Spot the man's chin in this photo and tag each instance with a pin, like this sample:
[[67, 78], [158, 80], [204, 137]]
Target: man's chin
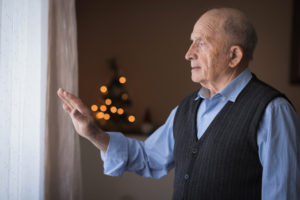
[[196, 79]]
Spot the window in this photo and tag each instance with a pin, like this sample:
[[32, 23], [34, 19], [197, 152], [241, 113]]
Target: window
[[23, 66]]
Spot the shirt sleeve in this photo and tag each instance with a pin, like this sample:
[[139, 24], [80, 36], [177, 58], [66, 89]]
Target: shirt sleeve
[[152, 158], [279, 151]]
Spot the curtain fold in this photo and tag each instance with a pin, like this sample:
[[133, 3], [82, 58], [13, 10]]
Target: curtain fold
[[62, 162]]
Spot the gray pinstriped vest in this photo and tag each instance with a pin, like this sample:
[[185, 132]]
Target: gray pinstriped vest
[[224, 163]]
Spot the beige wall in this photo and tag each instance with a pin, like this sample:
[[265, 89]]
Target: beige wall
[[149, 40]]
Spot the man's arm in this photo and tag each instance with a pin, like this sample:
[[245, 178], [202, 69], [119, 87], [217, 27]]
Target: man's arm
[[279, 151], [83, 120], [152, 158]]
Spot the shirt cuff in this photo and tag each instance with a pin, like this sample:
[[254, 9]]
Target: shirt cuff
[[116, 156]]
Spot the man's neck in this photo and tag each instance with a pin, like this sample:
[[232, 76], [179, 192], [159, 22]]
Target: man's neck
[[216, 86]]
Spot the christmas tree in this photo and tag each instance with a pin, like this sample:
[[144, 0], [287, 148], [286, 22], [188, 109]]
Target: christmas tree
[[112, 109]]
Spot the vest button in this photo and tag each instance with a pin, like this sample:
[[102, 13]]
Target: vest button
[[194, 151], [186, 176]]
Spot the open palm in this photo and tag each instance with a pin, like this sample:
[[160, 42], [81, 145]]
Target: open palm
[[81, 116]]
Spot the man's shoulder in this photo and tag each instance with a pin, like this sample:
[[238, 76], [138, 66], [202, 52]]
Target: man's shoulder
[[258, 91], [279, 98], [280, 102], [263, 85]]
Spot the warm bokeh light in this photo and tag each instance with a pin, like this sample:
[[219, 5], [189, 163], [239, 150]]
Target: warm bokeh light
[[131, 118], [94, 108], [103, 89], [108, 101], [103, 108], [99, 115], [113, 109], [106, 116], [124, 96], [122, 79], [120, 111]]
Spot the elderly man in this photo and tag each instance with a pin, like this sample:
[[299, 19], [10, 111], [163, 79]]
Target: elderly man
[[235, 138]]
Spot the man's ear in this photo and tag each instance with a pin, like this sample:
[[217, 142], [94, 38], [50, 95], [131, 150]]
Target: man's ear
[[236, 55]]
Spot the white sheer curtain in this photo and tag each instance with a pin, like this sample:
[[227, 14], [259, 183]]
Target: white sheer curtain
[[39, 152], [63, 167], [23, 64]]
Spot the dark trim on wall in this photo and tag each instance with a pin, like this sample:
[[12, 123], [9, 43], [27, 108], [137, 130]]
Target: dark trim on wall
[[295, 55]]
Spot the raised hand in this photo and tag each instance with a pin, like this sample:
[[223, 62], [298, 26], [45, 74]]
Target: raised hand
[[83, 120]]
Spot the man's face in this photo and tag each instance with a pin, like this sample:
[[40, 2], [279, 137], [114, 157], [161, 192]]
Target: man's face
[[207, 53]]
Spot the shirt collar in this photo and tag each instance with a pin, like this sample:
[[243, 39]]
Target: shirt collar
[[231, 90]]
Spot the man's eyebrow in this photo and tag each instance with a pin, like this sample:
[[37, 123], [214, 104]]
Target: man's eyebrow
[[196, 38]]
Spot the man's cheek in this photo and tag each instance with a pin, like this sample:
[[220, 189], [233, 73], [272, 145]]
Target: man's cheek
[[209, 63]]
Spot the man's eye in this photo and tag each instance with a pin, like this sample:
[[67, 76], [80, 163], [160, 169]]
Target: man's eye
[[201, 43]]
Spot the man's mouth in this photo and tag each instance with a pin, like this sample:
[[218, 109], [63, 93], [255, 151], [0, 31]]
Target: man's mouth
[[196, 67]]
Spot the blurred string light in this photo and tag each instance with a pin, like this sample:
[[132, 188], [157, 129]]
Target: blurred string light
[[106, 116], [120, 111], [94, 108], [108, 101], [124, 96], [131, 118], [113, 109], [103, 89], [103, 108], [99, 115], [122, 80]]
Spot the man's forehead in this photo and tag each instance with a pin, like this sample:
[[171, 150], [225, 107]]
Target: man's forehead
[[205, 28]]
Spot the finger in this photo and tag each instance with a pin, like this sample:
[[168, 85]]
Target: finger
[[76, 103], [65, 96], [67, 108], [61, 94], [73, 102]]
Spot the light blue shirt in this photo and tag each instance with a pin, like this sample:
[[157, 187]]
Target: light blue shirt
[[278, 140]]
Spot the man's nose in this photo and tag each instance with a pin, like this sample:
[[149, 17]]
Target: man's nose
[[191, 54]]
